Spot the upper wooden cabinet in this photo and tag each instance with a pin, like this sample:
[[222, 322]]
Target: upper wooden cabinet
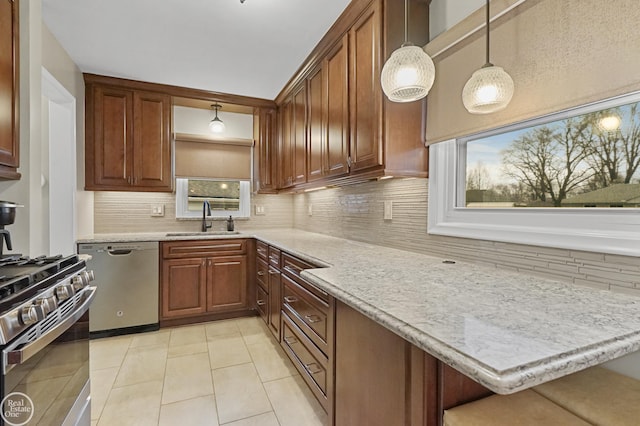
[[353, 132], [265, 150], [128, 145], [9, 90]]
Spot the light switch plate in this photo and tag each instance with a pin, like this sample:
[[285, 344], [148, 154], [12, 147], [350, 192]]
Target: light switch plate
[[157, 210], [259, 210], [388, 210], [310, 210]]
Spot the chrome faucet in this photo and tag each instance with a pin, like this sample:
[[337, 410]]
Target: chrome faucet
[[206, 208]]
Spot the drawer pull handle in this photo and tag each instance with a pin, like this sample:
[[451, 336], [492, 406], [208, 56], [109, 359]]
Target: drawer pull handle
[[261, 302], [313, 368], [290, 340], [260, 273], [274, 272], [313, 318], [290, 299], [291, 270]]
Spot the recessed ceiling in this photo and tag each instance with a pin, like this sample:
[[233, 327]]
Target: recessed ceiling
[[250, 49]]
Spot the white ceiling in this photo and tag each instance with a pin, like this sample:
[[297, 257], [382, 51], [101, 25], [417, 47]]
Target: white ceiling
[[249, 49]]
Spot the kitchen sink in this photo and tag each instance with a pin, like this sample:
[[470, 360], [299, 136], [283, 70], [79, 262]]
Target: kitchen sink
[[204, 234]]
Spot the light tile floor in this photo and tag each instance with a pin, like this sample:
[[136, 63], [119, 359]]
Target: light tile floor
[[228, 372]]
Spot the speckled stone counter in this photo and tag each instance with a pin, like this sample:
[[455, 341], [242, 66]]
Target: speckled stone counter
[[508, 331]]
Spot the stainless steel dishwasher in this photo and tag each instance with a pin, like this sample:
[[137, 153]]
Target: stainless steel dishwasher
[[127, 279]]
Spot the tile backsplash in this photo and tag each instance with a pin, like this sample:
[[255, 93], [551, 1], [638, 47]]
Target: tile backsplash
[[356, 212], [126, 212]]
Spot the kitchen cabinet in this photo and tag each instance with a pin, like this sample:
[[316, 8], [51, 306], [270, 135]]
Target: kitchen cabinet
[[316, 115], [380, 378], [265, 136], [128, 144], [307, 329], [336, 108], [293, 139], [353, 132], [9, 90], [203, 280], [275, 291]]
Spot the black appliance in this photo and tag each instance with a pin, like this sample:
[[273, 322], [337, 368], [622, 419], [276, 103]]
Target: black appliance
[[44, 340], [7, 217]]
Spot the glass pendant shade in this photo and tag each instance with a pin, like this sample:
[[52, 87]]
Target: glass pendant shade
[[489, 89], [216, 125], [408, 74]]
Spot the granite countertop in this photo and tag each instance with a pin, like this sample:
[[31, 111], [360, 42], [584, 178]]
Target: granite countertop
[[509, 331]]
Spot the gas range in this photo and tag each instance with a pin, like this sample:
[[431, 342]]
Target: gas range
[[44, 340], [31, 288]]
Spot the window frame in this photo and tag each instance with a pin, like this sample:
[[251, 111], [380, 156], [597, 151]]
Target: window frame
[[601, 230], [183, 212]]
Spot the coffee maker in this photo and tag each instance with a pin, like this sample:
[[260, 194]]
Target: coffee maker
[[7, 217]]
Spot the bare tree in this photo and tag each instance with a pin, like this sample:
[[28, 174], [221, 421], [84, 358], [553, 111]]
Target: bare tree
[[549, 162], [478, 177], [614, 154]]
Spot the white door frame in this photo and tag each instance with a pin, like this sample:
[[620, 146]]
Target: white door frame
[[62, 165]]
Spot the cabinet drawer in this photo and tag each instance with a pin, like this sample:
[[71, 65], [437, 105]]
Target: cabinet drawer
[[274, 257], [261, 250], [307, 311], [311, 363], [262, 302], [202, 248], [292, 267], [262, 270]]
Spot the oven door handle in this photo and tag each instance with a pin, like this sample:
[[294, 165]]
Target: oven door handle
[[22, 355]]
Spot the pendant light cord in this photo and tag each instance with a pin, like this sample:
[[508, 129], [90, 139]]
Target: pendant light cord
[[406, 22], [487, 50]]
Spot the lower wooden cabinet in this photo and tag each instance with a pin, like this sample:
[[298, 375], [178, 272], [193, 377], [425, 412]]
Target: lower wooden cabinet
[[201, 281]]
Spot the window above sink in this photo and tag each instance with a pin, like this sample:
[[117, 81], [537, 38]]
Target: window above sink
[[227, 197]]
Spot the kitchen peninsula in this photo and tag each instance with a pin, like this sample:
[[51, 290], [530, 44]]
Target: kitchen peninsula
[[507, 331]]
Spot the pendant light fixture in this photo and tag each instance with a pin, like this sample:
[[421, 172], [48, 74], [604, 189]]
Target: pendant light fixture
[[409, 72], [216, 125], [490, 88]]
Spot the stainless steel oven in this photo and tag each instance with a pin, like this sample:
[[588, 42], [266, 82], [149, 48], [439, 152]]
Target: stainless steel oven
[[45, 346]]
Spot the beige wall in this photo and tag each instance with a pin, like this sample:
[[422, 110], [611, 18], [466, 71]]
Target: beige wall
[[38, 49]]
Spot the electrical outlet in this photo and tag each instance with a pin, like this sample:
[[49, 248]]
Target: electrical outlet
[[388, 210], [157, 210], [259, 210], [310, 210]]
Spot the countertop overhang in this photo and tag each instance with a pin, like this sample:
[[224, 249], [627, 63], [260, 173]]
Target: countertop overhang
[[507, 330]]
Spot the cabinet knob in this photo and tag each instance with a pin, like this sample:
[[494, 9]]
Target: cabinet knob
[[313, 368], [313, 318]]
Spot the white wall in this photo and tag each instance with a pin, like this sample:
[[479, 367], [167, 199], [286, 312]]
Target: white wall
[[444, 14], [196, 121]]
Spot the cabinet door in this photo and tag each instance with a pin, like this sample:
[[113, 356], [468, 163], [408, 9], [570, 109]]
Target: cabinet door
[[300, 135], [226, 283], [275, 302], [183, 287], [285, 177], [365, 95], [336, 70], [266, 150], [315, 136], [9, 89], [112, 147], [152, 141]]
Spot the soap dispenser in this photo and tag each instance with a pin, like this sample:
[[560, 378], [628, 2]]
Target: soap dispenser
[[230, 224]]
